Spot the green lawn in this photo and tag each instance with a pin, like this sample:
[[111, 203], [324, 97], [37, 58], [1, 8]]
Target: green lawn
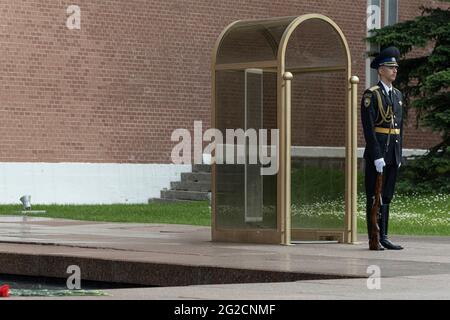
[[413, 215], [409, 215], [317, 202], [194, 213], [417, 214]]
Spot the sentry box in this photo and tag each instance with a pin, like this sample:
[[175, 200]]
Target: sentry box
[[284, 101]]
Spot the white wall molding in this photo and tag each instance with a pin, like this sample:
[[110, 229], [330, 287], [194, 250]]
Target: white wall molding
[[339, 152]]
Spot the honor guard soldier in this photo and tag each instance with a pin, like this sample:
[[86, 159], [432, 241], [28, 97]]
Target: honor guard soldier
[[381, 116]]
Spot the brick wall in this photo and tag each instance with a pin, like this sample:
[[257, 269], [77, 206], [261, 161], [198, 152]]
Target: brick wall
[[115, 90]]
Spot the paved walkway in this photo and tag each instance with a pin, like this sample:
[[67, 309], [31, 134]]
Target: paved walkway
[[179, 255]]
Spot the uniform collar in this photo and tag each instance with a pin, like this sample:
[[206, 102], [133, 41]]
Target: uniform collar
[[386, 88]]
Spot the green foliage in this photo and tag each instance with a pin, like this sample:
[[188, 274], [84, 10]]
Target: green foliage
[[427, 174], [424, 81]]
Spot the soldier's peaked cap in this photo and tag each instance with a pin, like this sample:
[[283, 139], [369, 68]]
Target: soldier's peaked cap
[[387, 57]]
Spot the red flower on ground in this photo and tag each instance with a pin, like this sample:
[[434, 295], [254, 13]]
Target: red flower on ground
[[4, 290]]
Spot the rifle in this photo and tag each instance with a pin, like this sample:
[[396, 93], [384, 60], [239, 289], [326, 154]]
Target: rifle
[[374, 242]]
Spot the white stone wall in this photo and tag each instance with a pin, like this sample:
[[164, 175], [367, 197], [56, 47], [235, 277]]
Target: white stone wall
[[85, 183]]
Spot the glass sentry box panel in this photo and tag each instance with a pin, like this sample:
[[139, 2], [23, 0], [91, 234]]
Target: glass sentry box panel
[[317, 58], [245, 103]]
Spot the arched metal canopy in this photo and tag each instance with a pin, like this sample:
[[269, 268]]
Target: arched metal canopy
[[306, 44]]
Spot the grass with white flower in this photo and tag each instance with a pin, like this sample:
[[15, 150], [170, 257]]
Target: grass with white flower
[[409, 214], [317, 202]]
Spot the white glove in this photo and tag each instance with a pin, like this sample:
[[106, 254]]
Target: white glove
[[399, 164], [379, 164]]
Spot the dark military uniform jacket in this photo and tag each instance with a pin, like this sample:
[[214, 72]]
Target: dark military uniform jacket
[[381, 114]]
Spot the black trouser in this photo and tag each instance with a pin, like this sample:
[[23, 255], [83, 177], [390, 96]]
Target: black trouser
[[389, 178]]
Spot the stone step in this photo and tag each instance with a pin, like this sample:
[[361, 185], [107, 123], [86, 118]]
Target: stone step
[[184, 195], [159, 200], [190, 186], [204, 187], [196, 177], [234, 169], [201, 168], [226, 169], [196, 185], [206, 178]]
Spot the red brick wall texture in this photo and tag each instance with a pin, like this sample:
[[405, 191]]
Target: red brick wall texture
[[114, 90]]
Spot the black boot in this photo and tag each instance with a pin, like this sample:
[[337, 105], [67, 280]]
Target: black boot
[[369, 225], [384, 221]]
